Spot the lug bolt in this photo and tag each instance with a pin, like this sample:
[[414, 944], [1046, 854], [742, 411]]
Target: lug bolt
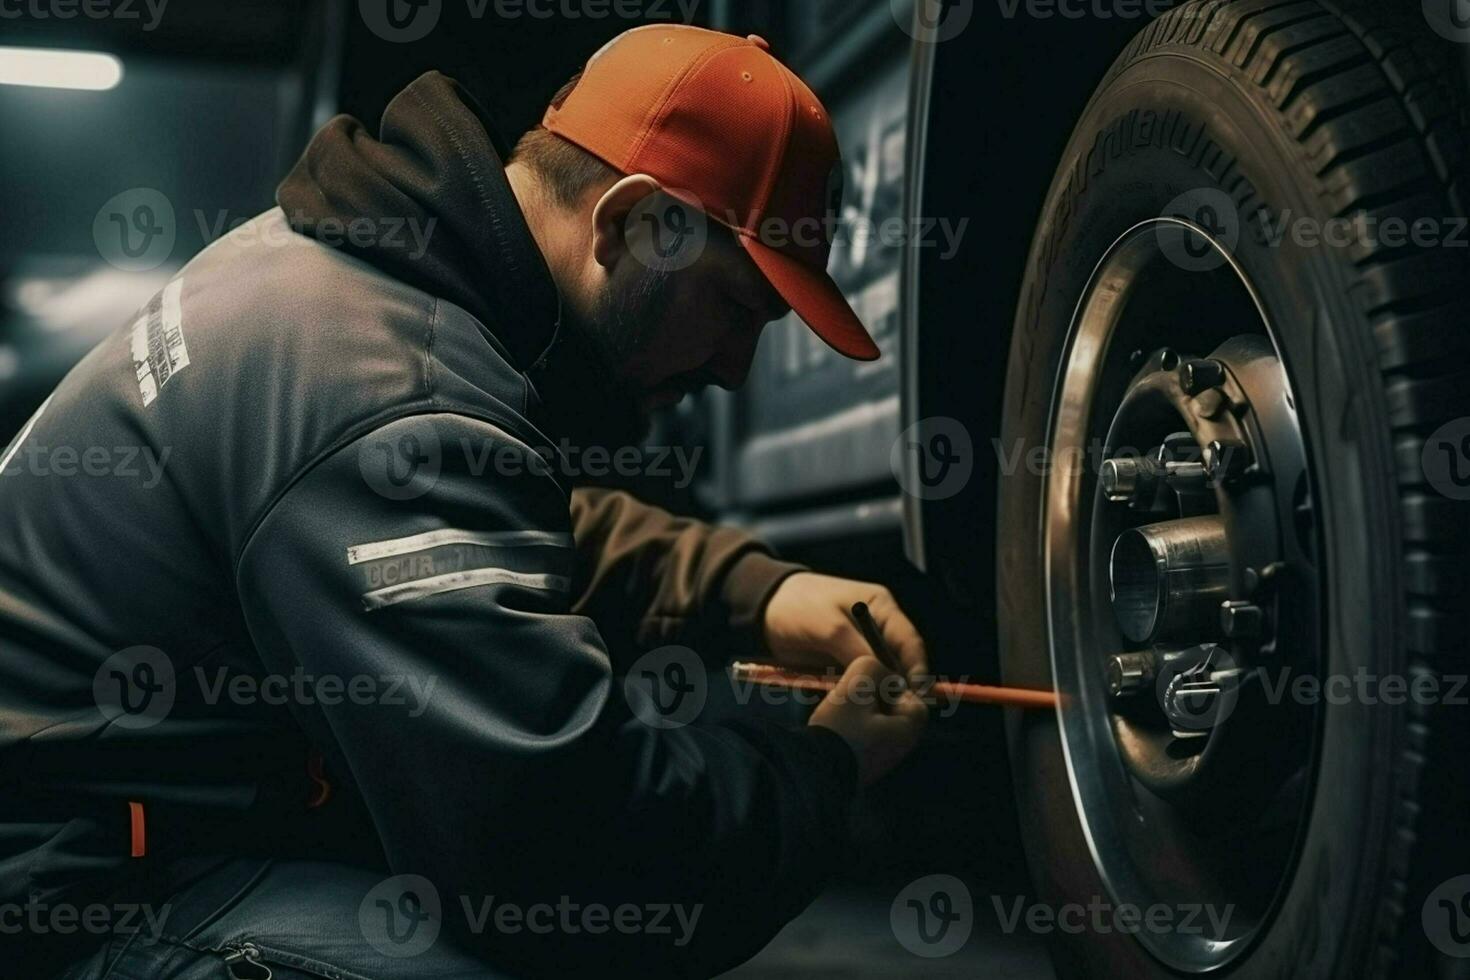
[[1241, 619], [1226, 460], [1201, 375], [1129, 673], [1130, 479], [1187, 477], [1120, 478]]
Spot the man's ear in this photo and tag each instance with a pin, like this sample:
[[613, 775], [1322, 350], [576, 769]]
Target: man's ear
[[610, 217]]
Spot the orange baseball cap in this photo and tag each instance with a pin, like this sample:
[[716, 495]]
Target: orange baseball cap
[[721, 123]]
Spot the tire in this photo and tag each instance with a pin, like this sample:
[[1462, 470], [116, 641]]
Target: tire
[[1318, 110]]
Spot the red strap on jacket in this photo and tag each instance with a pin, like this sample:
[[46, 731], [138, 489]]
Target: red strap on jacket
[[139, 830]]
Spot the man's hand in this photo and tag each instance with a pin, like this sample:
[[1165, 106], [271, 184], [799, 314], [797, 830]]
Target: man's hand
[[876, 714], [809, 624]]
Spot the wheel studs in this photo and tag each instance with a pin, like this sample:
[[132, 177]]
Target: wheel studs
[[1122, 478], [1240, 619], [1129, 673], [1226, 460], [1197, 376]]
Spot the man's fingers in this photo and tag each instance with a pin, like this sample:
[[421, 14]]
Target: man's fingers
[[902, 637]]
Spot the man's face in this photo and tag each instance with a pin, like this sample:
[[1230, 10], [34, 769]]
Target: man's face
[[673, 332]]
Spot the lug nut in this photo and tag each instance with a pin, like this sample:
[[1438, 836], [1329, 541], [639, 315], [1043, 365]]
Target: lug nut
[[1129, 673], [1201, 375], [1240, 619], [1120, 478], [1226, 460]]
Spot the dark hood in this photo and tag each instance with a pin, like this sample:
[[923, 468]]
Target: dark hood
[[435, 159]]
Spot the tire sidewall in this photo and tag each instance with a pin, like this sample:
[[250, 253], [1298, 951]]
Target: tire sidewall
[[1105, 186]]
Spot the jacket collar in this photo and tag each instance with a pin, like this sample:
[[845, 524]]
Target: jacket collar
[[435, 169]]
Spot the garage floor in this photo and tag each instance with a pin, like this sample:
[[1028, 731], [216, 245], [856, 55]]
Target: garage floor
[[846, 933]]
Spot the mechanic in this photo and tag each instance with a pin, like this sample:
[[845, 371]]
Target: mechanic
[[326, 511]]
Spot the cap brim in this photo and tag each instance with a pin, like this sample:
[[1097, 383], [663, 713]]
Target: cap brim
[[816, 299]]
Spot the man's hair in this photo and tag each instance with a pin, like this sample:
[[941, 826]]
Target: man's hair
[[567, 170]]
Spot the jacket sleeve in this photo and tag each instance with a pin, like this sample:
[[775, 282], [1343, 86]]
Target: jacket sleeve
[[649, 578], [523, 772]]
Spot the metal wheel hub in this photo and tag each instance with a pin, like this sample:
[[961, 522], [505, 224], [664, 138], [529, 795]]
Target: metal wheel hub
[[1180, 565]]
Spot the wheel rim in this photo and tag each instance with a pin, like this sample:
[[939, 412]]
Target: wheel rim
[[1181, 567]]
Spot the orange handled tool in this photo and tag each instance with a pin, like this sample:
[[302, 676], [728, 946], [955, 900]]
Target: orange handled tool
[[767, 675]]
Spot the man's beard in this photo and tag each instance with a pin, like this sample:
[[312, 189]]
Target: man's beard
[[584, 397]]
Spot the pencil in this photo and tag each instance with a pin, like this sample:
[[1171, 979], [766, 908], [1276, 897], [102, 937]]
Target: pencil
[[768, 675]]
